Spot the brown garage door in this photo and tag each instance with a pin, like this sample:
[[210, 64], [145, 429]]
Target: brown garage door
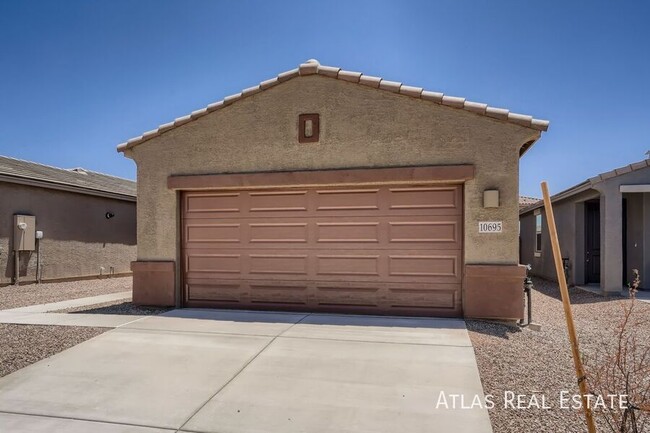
[[382, 250]]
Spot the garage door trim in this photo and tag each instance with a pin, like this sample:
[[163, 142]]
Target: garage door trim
[[448, 174]]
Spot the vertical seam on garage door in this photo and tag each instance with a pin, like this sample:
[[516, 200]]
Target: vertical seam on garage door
[[222, 387]]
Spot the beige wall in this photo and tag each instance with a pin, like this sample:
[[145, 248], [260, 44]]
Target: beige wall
[[78, 239], [360, 127]]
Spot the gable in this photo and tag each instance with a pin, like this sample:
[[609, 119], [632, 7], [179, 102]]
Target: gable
[[313, 68]]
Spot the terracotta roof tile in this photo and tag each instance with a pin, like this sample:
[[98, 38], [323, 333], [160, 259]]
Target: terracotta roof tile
[[416, 92], [497, 113], [368, 80], [269, 83], [251, 91], [350, 76], [329, 71], [453, 101], [432, 96], [288, 75], [475, 107], [312, 67]]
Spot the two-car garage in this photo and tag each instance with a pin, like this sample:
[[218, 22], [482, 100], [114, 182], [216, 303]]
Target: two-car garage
[[333, 191], [389, 249]]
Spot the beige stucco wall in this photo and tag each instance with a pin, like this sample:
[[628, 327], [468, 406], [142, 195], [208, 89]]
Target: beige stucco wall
[[78, 239], [360, 127]]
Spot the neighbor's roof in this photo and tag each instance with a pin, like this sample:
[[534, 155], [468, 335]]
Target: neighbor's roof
[[588, 184], [76, 180], [312, 67], [525, 201]]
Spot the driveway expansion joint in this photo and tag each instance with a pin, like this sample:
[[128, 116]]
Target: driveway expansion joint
[[71, 418]]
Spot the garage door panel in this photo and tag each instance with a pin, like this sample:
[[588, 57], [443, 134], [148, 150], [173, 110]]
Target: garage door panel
[[381, 232], [214, 203], [275, 263], [379, 250], [347, 200], [278, 293], [210, 263], [323, 202], [348, 296], [347, 232], [348, 265], [423, 265], [371, 298], [280, 232], [278, 201], [436, 266], [213, 232], [415, 298], [424, 198]]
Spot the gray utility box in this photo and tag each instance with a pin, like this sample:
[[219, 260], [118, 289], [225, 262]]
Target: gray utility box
[[24, 233]]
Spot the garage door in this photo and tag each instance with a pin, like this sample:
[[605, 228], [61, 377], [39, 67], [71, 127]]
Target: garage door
[[377, 250]]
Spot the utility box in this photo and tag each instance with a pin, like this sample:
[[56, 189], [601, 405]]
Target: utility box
[[24, 233]]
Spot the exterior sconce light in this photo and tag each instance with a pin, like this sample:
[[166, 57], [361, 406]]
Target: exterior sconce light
[[491, 198], [109, 215]]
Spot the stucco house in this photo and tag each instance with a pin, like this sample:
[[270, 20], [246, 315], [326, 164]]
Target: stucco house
[[64, 224], [329, 190], [603, 225]]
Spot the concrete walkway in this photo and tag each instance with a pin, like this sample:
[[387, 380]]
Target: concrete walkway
[[73, 303], [245, 372]]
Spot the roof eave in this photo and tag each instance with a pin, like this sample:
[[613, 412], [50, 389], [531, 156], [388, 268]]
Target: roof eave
[[65, 187]]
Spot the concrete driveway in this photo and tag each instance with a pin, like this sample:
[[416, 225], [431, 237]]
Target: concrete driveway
[[234, 372]]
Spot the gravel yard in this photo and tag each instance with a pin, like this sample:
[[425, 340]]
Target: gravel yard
[[23, 345], [527, 362], [118, 307], [33, 294]]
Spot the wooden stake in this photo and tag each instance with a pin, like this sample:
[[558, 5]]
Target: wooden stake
[[566, 302]]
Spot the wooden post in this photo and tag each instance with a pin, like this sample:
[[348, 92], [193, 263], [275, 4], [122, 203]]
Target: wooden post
[[566, 302]]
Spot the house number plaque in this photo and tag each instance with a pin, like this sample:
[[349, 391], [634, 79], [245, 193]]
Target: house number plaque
[[490, 226]]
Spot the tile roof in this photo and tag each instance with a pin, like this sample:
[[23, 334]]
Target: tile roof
[[79, 179], [587, 184], [527, 201], [311, 67]]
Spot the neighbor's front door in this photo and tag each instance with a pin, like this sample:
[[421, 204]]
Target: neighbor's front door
[[592, 242]]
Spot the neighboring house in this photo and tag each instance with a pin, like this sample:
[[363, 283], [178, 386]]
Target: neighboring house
[[329, 190], [87, 221], [525, 201], [604, 229]]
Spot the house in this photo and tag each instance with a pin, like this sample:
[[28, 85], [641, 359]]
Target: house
[[329, 190], [603, 225], [525, 201], [63, 224]]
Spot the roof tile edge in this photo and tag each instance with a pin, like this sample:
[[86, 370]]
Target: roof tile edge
[[313, 67]]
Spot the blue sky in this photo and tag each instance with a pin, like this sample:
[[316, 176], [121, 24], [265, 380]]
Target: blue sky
[[78, 77]]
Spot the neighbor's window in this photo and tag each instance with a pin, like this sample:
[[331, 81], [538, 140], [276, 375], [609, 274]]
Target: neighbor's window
[[538, 233]]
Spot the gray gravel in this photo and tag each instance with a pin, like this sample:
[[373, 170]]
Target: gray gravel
[[525, 361], [33, 294], [116, 307], [23, 345]]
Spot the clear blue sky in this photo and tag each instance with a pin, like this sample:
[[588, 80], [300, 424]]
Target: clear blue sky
[[78, 77]]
